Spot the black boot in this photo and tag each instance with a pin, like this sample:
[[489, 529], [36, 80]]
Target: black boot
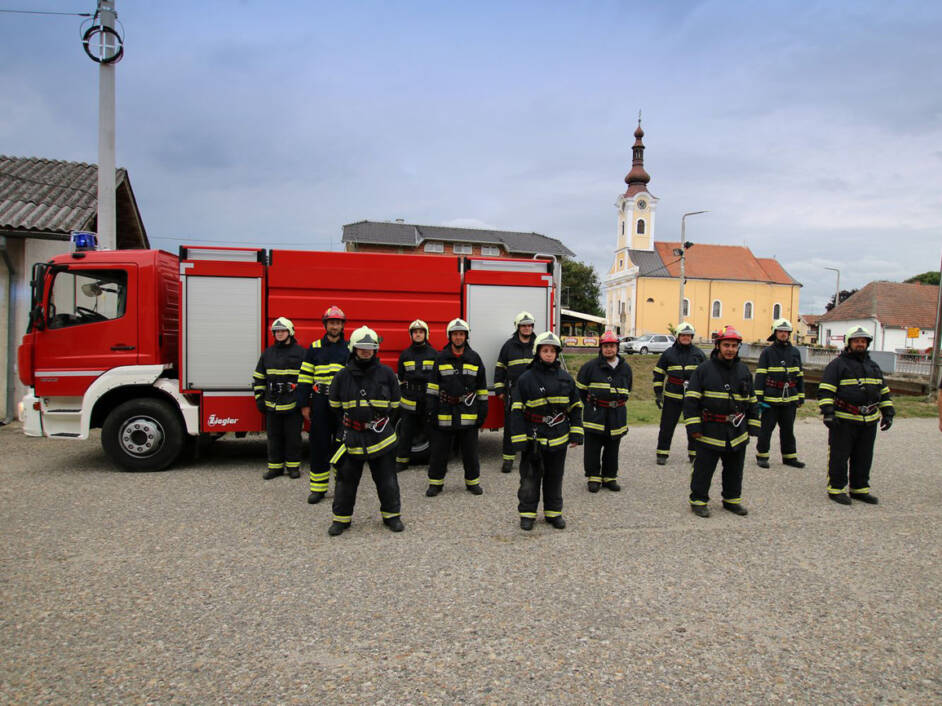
[[315, 497], [594, 486], [700, 510], [840, 498], [735, 508], [558, 522], [526, 523], [612, 485], [507, 466], [432, 491], [294, 473], [394, 524], [337, 528], [273, 473], [475, 489], [661, 460], [865, 498], [794, 463], [762, 462]]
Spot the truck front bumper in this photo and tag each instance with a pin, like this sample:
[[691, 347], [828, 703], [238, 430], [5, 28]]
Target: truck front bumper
[[30, 414]]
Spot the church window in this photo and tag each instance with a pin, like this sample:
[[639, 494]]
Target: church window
[[640, 226], [777, 311], [717, 309], [686, 307], [622, 227], [747, 310], [650, 300]]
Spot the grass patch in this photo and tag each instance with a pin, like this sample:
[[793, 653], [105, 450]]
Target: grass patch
[[642, 410]]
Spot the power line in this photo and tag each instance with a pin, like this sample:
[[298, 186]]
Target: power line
[[47, 12]]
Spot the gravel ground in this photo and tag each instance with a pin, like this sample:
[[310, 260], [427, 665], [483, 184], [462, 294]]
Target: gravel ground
[[205, 584]]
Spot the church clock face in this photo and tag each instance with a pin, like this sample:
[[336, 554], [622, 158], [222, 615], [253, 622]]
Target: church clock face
[[642, 204]]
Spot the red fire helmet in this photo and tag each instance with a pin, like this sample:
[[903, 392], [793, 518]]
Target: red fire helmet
[[728, 333], [608, 337], [333, 312]]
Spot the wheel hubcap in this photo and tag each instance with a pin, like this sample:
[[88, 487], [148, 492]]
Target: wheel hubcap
[[141, 436]]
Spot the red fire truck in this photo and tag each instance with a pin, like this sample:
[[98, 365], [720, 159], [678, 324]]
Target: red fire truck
[[158, 350]]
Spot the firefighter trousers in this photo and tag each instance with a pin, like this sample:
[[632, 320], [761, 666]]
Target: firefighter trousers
[[507, 447], [546, 472], [323, 436], [601, 457], [784, 416], [850, 447], [441, 448], [383, 470], [284, 441], [409, 426], [705, 465], [670, 414]]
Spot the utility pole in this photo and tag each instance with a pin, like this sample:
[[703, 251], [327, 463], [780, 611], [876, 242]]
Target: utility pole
[[837, 292], [105, 47], [682, 251], [936, 341]]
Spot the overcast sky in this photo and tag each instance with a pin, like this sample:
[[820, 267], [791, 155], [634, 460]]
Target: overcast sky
[[811, 131]]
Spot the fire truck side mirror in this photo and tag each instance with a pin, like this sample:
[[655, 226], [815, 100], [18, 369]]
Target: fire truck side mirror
[[36, 321]]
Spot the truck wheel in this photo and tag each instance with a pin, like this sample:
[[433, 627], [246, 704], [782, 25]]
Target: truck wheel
[[142, 435]]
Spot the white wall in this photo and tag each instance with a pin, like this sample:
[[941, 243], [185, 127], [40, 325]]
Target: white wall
[[885, 338]]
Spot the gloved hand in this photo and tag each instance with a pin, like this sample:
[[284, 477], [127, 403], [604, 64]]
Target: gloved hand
[[828, 420], [260, 404], [659, 401], [886, 422]]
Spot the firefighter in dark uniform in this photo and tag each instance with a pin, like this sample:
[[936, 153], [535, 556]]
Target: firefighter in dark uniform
[[853, 398], [780, 390], [457, 407], [514, 357], [365, 397], [415, 366], [720, 413], [324, 359], [275, 383], [673, 370], [604, 385], [546, 415]]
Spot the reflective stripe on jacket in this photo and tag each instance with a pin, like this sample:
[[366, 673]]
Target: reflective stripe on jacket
[[676, 362], [322, 361], [276, 376], [366, 395], [779, 377], [854, 379], [719, 388], [461, 378], [548, 392], [512, 361], [415, 367]]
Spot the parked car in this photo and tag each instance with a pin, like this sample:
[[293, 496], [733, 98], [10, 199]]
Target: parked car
[[623, 343], [649, 343]]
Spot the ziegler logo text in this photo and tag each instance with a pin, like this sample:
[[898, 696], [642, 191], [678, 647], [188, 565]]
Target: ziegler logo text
[[220, 421]]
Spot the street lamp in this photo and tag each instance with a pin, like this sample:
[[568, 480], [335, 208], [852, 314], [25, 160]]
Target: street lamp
[[837, 292], [682, 252]]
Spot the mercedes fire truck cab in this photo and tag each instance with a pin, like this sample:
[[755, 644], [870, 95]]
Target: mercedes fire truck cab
[[158, 350]]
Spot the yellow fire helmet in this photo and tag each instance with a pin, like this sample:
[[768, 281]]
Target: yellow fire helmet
[[458, 325], [282, 323], [685, 327], [547, 338], [524, 318], [418, 323], [366, 338]]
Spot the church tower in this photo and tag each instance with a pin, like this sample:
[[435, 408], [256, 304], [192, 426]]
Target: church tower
[[635, 231]]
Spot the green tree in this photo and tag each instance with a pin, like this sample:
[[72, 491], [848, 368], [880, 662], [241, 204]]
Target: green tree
[[581, 288], [845, 295], [930, 277]]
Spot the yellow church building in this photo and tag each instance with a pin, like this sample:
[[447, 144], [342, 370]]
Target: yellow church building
[[724, 284]]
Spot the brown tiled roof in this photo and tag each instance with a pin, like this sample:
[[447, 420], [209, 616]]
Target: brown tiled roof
[[895, 304], [735, 262], [810, 319]]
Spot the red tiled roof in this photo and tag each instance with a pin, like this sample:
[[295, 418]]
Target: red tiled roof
[[895, 304], [734, 262], [810, 319]]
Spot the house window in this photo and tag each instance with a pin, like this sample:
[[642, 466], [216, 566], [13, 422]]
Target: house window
[[717, 309], [747, 310], [622, 227], [640, 227], [777, 311], [686, 307], [432, 246], [462, 249], [490, 251]]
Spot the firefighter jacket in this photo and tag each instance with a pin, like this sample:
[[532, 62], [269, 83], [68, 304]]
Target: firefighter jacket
[[415, 367], [604, 391], [546, 407], [365, 395], [720, 402], [852, 389], [275, 379], [779, 377], [512, 361], [457, 390], [323, 360], [674, 368]]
